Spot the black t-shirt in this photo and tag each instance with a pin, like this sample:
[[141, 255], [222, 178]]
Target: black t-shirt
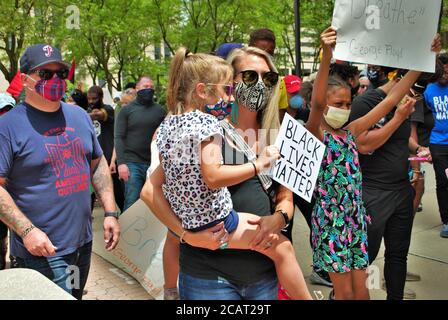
[[387, 167], [425, 122], [241, 267], [105, 132]]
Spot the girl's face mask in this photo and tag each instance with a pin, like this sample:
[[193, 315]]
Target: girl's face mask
[[336, 117], [220, 110]]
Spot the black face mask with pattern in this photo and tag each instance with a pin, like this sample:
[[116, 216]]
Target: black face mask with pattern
[[254, 97]]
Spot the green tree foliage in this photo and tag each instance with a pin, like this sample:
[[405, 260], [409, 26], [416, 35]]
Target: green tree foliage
[[115, 40]]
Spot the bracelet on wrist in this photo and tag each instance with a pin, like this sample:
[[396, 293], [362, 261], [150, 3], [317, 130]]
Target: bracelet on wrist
[[27, 231], [181, 238], [255, 168]]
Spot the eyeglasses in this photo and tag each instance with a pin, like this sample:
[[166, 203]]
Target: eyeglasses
[[250, 77], [228, 88], [46, 74]]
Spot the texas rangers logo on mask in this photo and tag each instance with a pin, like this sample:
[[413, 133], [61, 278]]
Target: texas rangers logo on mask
[[48, 50]]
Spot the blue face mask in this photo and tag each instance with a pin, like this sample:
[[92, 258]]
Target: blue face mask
[[296, 102], [220, 110]]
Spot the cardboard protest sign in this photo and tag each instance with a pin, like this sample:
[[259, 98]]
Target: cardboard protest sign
[[392, 33], [302, 155], [139, 252]]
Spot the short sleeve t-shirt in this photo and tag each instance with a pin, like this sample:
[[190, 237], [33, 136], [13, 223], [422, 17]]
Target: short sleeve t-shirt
[[387, 167], [104, 131], [45, 157], [178, 140], [436, 97], [239, 267], [425, 122]]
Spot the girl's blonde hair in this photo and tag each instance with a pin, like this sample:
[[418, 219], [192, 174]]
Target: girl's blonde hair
[[268, 118], [186, 71]]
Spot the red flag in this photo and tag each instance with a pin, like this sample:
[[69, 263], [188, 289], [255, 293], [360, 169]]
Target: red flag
[[71, 73], [16, 86]]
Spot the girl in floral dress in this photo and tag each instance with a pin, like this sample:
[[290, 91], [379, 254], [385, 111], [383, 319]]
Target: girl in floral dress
[[339, 220]]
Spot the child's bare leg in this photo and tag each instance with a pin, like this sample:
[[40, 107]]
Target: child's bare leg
[[359, 281], [281, 252], [170, 261], [342, 285]]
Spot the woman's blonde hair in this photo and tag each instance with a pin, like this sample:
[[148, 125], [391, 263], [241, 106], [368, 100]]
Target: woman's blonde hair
[[269, 117], [186, 71]]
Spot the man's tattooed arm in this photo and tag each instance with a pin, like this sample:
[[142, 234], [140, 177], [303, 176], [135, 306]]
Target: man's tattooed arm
[[102, 183], [10, 213]]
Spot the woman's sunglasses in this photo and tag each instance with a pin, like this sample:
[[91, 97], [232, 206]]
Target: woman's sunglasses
[[228, 88], [250, 77], [46, 74]]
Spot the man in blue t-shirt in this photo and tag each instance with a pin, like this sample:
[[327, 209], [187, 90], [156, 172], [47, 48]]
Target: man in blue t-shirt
[[436, 96], [49, 155]]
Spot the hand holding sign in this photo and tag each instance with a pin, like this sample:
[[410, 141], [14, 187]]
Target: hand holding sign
[[328, 39], [301, 156], [267, 158]]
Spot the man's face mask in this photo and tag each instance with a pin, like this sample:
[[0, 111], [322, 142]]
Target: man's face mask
[[220, 110], [52, 89], [373, 75], [336, 117], [145, 96]]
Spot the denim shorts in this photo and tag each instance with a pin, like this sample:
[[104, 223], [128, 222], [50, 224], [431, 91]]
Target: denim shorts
[[230, 223], [192, 288]]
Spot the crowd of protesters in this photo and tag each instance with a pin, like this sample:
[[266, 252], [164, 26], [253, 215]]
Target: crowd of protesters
[[229, 224]]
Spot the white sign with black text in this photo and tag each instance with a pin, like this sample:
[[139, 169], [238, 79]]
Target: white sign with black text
[[392, 33], [301, 157]]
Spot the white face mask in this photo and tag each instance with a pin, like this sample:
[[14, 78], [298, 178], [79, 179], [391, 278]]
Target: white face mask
[[336, 117]]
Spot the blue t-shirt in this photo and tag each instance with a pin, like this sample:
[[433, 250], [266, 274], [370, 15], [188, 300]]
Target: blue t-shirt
[[437, 99], [45, 158]]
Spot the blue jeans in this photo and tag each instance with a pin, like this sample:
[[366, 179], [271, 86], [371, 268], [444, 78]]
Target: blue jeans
[[69, 272], [191, 288], [134, 185]]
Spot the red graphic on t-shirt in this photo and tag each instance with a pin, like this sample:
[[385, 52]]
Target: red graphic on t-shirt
[[67, 160], [66, 156]]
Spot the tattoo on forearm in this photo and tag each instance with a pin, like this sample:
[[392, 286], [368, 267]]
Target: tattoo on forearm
[[13, 218], [101, 179]]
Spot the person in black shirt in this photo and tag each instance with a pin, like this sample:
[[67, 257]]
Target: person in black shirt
[[134, 129], [102, 116], [387, 192]]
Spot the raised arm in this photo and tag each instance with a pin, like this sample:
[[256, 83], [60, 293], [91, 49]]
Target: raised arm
[[319, 95], [384, 107]]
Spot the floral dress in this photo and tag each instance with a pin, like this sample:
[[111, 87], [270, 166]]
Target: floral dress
[[339, 219]]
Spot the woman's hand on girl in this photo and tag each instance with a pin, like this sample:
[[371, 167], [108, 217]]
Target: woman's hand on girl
[[268, 229], [211, 238]]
